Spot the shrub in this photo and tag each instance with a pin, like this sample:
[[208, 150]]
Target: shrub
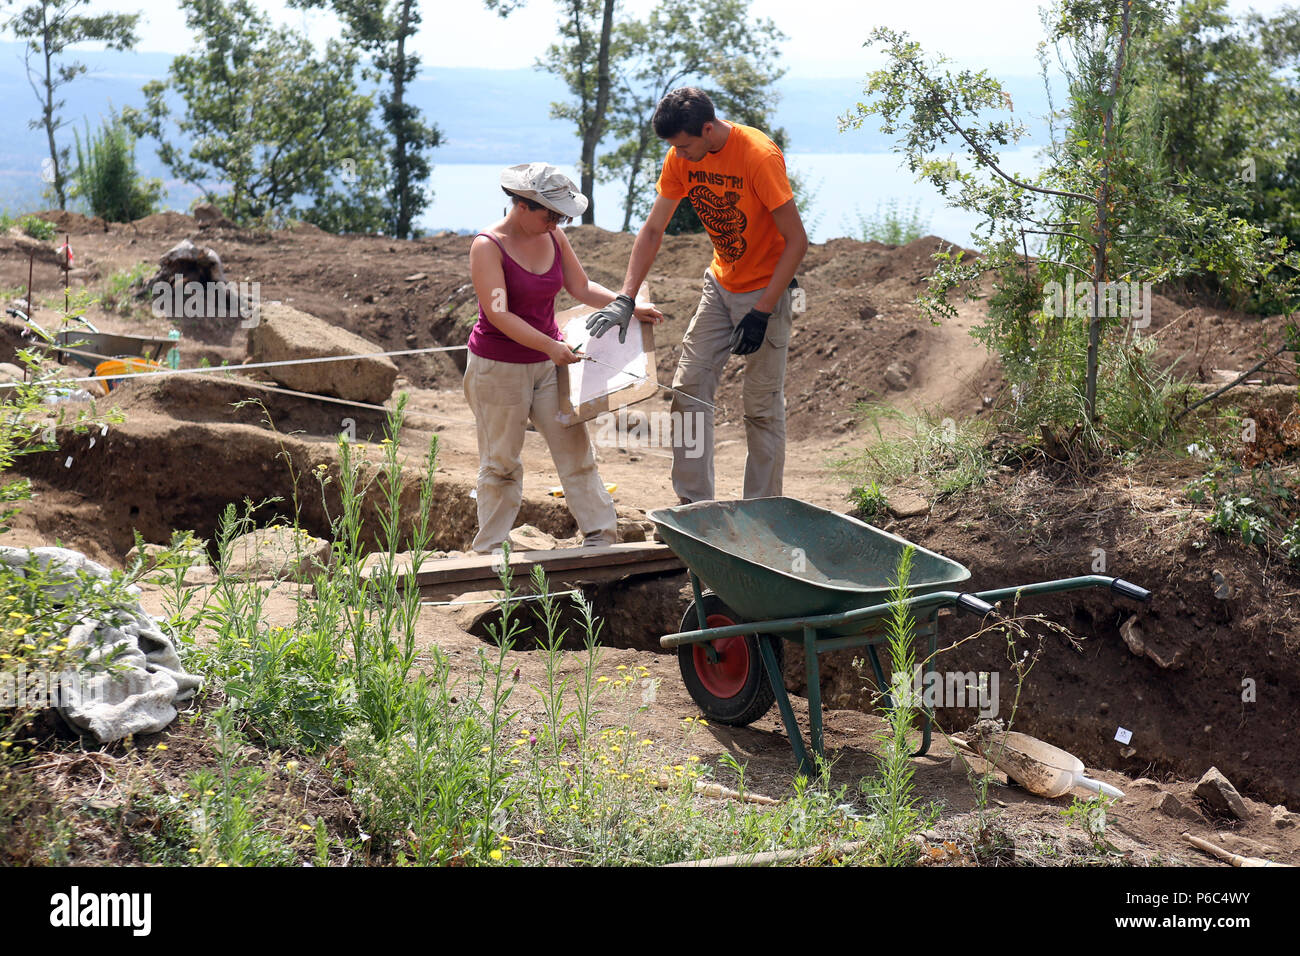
[[106, 178]]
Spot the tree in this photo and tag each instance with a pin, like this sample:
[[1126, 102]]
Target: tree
[[382, 30], [1108, 209], [271, 126], [49, 27], [582, 59], [1220, 96], [713, 44], [106, 176]]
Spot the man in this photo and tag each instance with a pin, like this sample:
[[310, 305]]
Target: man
[[735, 178]]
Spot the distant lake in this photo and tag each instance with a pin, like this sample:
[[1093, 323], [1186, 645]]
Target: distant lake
[[468, 195]]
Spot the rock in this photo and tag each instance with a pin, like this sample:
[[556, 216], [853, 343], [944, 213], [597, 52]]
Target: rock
[[208, 216], [1222, 589], [1220, 795], [275, 552], [898, 376], [1133, 637], [1171, 806], [1145, 784], [964, 765], [906, 505], [186, 263], [11, 373], [285, 333], [633, 525], [1284, 819], [528, 538], [416, 277]]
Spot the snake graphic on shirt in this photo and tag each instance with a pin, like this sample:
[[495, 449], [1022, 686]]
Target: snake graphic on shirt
[[725, 222]]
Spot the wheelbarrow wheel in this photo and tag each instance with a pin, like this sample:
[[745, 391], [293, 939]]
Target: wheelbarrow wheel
[[734, 689]]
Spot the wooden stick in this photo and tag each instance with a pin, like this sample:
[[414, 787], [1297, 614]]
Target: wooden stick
[[777, 856], [717, 790], [1228, 857]]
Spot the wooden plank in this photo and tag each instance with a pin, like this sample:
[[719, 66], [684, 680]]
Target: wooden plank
[[554, 582], [590, 564]]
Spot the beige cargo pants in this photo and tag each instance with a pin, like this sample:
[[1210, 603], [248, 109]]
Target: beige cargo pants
[[705, 352], [504, 397]]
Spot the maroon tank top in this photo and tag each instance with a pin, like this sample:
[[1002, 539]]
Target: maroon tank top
[[528, 295]]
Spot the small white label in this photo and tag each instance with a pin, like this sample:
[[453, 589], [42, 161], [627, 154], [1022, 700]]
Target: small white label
[[68, 463], [1123, 736]]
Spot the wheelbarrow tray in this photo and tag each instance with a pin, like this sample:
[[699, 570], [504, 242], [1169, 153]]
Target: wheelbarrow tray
[[777, 558], [108, 345]]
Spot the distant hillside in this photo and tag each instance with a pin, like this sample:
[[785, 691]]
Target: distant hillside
[[487, 116]]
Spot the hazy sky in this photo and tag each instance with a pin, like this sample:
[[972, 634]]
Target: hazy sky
[[824, 36]]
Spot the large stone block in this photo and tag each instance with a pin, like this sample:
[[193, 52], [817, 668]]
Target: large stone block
[[285, 333]]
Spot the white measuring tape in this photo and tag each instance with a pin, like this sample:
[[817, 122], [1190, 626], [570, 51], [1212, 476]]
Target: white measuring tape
[[228, 368]]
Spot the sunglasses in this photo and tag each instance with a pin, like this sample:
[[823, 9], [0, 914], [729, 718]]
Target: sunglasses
[[551, 214]]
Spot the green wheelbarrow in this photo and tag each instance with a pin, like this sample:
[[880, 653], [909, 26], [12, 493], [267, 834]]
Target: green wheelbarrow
[[782, 568]]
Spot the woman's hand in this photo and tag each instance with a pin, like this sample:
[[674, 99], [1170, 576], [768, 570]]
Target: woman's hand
[[648, 313], [561, 354]]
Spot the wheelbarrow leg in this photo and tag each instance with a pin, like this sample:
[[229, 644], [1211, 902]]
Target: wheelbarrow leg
[[814, 689], [931, 630], [709, 650], [880, 675], [777, 680]]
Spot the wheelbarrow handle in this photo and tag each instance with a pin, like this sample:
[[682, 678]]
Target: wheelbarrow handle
[[1130, 590], [973, 605]]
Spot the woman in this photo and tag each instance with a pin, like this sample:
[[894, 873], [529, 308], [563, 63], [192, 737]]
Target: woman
[[518, 266]]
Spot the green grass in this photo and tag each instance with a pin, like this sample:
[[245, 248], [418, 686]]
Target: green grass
[[952, 455], [31, 225], [891, 223], [120, 288]]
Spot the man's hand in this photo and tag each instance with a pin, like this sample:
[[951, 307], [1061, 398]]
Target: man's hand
[[618, 312], [749, 334]]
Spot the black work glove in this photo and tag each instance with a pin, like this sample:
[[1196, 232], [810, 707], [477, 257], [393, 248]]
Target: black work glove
[[749, 334], [618, 312]]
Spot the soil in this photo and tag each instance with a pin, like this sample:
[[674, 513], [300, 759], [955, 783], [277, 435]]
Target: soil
[[185, 451]]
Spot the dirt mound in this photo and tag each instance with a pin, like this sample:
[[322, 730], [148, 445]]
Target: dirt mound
[[73, 223], [1194, 340], [167, 223], [225, 399]]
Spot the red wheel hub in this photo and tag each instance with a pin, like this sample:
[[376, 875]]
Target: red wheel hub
[[727, 677]]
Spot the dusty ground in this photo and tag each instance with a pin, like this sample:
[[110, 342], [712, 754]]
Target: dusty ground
[[183, 452]]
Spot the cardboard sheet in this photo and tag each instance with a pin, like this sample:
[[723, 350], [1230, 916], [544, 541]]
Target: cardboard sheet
[[622, 373]]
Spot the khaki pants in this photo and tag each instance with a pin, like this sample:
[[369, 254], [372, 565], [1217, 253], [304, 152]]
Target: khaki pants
[[705, 352], [504, 397]]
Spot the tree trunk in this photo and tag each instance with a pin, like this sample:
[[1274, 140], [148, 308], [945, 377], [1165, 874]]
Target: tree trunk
[[637, 158], [48, 115], [402, 172], [1103, 227], [596, 124]]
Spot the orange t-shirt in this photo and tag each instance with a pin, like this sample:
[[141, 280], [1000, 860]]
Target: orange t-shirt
[[734, 192]]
